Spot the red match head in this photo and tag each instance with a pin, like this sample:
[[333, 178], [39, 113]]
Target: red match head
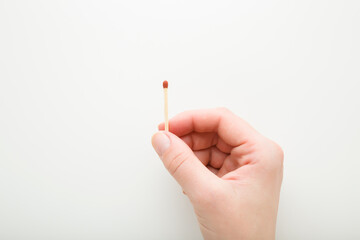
[[165, 84]]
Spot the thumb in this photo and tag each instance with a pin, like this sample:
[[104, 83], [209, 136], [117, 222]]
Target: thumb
[[182, 163]]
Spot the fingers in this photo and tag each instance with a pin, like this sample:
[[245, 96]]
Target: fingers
[[229, 127], [182, 164], [211, 157], [199, 141]]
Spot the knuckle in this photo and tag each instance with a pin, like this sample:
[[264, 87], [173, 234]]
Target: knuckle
[[273, 155], [278, 154], [176, 162], [224, 109]]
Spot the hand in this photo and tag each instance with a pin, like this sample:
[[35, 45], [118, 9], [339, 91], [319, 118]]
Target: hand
[[231, 173]]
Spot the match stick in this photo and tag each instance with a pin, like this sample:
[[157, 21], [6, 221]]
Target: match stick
[[166, 112]]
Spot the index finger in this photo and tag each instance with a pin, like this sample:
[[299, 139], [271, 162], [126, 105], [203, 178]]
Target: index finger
[[229, 127]]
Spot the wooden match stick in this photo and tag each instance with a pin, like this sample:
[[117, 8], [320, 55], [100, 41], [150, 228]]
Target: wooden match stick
[[166, 112]]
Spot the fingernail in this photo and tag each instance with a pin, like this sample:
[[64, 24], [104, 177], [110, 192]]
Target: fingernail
[[160, 142]]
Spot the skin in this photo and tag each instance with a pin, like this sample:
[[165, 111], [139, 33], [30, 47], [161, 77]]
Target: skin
[[230, 172]]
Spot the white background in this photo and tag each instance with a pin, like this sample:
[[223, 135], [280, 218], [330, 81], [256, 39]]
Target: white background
[[81, 95]]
